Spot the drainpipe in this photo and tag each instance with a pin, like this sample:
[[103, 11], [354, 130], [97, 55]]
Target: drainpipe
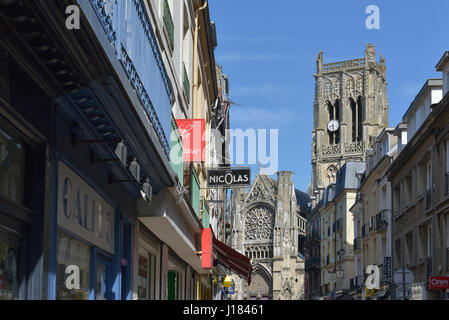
[[195, 56]]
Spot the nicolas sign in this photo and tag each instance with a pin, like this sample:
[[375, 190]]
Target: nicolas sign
[[228, 177]]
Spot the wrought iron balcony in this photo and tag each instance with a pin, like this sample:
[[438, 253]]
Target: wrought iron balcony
[[382, 220], [129, 30]]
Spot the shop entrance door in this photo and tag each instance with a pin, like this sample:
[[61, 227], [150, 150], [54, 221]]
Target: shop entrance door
[[103, 279]]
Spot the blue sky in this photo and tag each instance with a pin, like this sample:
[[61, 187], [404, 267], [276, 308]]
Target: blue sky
[[268, 49]]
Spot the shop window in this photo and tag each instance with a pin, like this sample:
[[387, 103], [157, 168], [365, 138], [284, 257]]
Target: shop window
[[12, 163], [9, 263], [72, 252], [146, 277], [172, 285], [103, 281]]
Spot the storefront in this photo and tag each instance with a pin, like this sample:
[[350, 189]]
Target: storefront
[[21, 206], [86, 241]]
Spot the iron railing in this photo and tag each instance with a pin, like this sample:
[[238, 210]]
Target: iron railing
[[382, 220], [128, 27]]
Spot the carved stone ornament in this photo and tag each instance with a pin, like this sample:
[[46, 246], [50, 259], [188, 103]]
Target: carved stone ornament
[[259, 223]]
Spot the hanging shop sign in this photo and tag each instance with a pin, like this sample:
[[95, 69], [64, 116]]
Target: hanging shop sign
[[206, 249], [82, 211], [192, 132], [228, 177], [439, 283]]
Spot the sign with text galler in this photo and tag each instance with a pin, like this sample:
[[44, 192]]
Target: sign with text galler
[[194, 144], [229, 177], [83, 211]]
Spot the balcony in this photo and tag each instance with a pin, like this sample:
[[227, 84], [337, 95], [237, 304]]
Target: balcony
[[344, 65], [168, 23], [331, 151], [351, 148], [382, 220], [129, 31], [428, 199]]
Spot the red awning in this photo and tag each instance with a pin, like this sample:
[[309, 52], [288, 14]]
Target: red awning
[[233, 260]]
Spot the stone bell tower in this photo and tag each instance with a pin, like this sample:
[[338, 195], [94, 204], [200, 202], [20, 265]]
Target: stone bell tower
[[350, 110]]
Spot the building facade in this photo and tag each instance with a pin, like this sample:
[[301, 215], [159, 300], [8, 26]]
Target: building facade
[[269, 221], [372, 218], [419, 184], [350, 110], [89, 184]]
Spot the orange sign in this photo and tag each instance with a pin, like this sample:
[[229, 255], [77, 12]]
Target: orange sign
[[206, 249]]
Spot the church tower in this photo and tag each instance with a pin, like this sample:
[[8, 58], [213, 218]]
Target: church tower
[[350, 111]]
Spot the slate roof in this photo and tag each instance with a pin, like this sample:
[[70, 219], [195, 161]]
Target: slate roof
[[302, 199], [347, 178]]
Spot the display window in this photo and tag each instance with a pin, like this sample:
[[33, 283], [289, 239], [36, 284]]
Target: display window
[[72, 252], [9, 264], [103, 275], [146, 279], [12, 163]]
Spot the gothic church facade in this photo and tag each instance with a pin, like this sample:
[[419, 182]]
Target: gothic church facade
[[268, 227]]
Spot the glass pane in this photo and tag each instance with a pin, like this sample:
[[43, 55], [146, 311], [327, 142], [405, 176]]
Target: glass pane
[[12, 163], [172, 279], [72, 252], [9, 264], [101, 287], [142, 285]]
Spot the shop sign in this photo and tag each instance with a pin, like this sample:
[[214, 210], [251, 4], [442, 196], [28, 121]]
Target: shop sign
[[228, 177], [206, 249], [192, 132], [82, 211], [439, 283], [227, 282]]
